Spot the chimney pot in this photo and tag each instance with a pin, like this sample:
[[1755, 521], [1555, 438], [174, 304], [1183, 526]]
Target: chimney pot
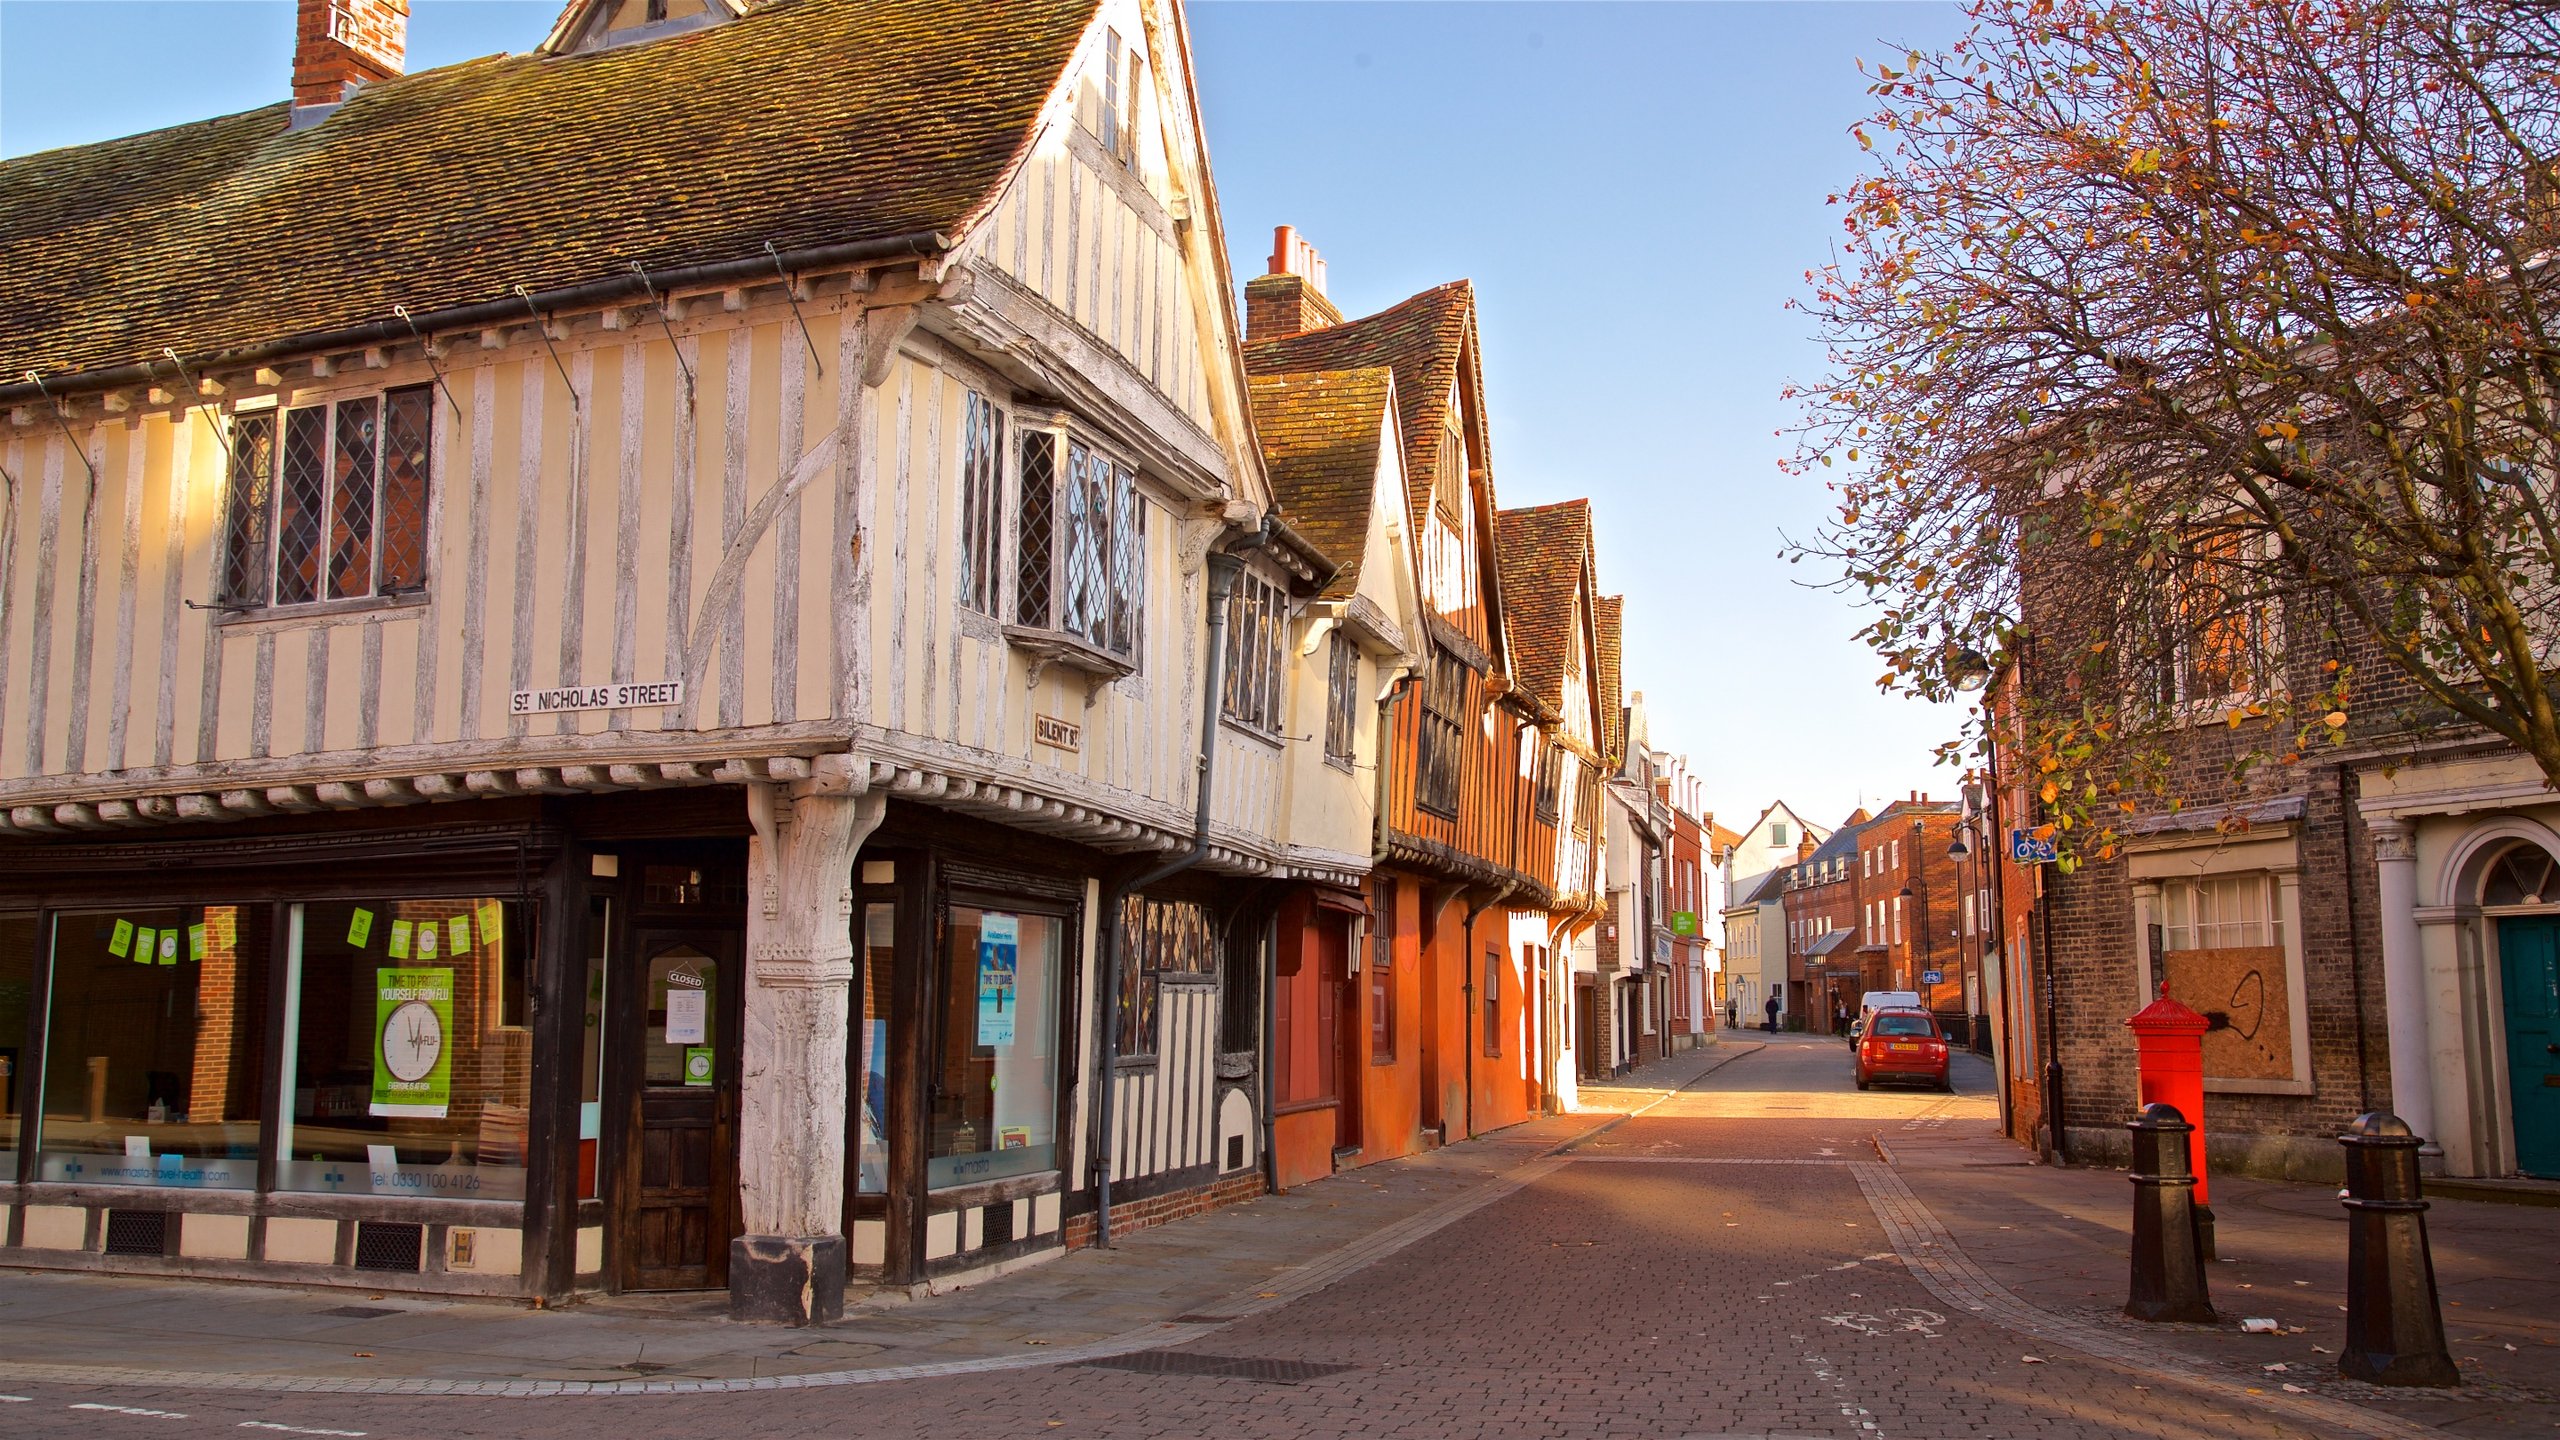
[[341, 45], [1289, 299]]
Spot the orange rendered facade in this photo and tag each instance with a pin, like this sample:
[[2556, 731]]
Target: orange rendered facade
[[1418, 1012]]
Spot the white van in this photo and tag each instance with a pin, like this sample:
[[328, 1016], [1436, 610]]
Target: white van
[[1875, 1000]]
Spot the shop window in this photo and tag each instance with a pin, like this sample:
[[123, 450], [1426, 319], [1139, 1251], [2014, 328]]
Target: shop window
[[407, 1062], [1158, 937], [17, 992], [995, 1082], [879, 970], [155, 1031]]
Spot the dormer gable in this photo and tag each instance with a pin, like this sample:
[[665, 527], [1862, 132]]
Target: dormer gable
[[590, 25]]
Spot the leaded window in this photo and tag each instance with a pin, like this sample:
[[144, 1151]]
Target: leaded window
[[1158, 938], [1081, 569], [329, 501], [1443, 737], [1257, 626], [1341, 699], [981, 504]]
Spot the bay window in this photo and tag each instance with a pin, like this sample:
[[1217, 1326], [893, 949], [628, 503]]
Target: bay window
[[1081, 565]]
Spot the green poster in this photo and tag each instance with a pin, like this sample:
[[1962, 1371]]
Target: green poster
[[168, 947], [145, 941], [120, 944], [399, 940], [458, 931], [412, 1064], [697, 1065], [491, 926], [360, 928], [195, 941]]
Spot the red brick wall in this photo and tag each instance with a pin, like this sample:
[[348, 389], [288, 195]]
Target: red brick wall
[[1172, 1205]]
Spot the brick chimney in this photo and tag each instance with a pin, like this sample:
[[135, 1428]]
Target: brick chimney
[[1291, 298], [340, 45]]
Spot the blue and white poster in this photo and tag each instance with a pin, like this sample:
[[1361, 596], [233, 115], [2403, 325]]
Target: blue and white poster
[[999, 944]]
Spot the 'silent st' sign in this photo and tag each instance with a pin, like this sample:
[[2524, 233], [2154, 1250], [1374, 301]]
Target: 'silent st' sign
[[596, 697]]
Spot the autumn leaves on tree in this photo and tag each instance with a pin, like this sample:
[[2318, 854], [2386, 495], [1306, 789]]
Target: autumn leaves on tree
[[2197, 358]]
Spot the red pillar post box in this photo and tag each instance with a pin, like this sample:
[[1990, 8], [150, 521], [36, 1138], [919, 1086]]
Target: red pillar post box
[[2169, 1070]]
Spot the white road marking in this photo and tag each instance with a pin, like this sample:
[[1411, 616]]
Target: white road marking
[[292, 1429], [17, 1399], [132, 1410]]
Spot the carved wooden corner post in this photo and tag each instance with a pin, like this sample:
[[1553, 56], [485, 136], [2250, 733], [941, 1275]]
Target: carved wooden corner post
[[788, 1267]]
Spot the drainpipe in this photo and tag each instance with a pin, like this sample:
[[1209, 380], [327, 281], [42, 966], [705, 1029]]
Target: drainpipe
[[1224, 564], [1467, 987]]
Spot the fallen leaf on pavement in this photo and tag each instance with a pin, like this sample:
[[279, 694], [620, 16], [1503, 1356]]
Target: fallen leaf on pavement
[[2031, 1359]]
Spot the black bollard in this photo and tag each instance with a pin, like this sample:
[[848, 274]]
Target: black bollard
[[2168, 1264], [2395, 1332]]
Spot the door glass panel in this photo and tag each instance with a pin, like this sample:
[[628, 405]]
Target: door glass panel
[[591, 1044], [684, 1019], [155, 1044], [995, 1096], [879, 969]]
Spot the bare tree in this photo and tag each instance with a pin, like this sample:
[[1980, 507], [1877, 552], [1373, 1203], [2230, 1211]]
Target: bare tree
[[2186, 338]]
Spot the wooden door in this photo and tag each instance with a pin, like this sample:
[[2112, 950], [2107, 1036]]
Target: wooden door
[[678, 1188], [1340, 1037], [2529, 957]]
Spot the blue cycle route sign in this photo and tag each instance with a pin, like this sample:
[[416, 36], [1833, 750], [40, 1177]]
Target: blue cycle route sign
[[2026, 849]]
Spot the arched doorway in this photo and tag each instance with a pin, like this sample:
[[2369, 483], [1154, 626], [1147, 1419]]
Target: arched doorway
[[2519, 897]]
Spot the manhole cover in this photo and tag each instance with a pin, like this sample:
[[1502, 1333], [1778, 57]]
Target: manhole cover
[[1219, 1367], [360, 1312]]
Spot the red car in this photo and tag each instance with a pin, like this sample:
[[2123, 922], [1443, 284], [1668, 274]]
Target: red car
[[1904, 1045]]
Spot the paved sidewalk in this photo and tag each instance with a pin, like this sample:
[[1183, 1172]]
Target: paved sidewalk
[[2058, 1238], [1156, 1287]]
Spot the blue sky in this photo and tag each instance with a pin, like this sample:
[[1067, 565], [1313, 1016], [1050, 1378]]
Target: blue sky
[[1636, 190]]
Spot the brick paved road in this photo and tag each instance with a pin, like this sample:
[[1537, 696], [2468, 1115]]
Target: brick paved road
[[1648, 1286]]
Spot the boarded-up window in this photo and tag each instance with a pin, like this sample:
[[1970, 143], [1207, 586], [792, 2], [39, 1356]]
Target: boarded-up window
[[1443, 737], [2222, 952]]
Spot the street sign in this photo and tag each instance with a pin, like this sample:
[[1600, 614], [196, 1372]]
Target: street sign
[[1684, 922], [1933, 977], [2026, 849]]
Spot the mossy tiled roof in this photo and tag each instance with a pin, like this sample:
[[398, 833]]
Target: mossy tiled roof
[[805, 123], [1544, 552], [1423, 340], [1320, 444]]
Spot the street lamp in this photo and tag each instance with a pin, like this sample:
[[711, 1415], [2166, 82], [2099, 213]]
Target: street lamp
[[1966, 670]]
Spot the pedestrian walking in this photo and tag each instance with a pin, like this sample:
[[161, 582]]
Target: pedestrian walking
[[1771, 1007], [1840, 1017], [1733, 1012]]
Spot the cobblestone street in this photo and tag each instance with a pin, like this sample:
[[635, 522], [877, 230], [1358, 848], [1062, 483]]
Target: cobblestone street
[[1734, 1259]]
